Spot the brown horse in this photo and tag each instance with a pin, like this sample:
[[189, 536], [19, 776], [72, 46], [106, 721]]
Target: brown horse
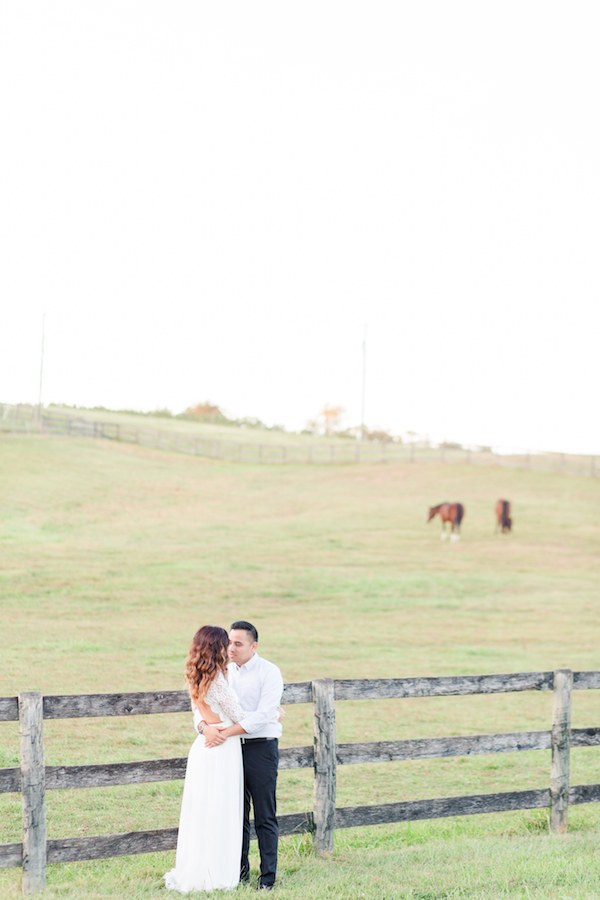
[[503, 519], [448, 512]]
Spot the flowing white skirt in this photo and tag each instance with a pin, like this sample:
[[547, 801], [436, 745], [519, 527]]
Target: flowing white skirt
[[209, 842]]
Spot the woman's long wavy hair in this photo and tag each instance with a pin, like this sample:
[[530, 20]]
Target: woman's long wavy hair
[[207, 657]]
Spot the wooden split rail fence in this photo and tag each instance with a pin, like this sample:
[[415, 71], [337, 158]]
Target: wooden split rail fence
[[331, 451], [32, 778]]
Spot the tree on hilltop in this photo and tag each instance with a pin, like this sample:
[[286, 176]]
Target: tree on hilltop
[[327, 421], [206, 412]]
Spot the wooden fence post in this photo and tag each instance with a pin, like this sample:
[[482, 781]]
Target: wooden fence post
[[325, 766], [561, 745], [33, 791]]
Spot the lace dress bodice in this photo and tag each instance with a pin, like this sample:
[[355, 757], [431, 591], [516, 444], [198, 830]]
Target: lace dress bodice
[[223, 701]]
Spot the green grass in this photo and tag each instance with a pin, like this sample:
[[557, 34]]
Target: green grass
[[427, 861], [113, 554]]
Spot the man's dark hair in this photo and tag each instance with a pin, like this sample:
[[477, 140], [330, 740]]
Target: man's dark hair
[[246, 626]]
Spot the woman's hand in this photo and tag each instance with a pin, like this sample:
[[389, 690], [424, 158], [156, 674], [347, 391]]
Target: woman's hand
[[231, 730], [212, 736]]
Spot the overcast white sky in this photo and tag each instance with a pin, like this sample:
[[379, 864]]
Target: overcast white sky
[[209, 201]]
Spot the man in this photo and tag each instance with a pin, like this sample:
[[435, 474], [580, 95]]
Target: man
[[258, 685]]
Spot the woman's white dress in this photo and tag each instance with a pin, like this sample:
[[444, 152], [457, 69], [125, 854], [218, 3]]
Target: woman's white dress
[[209, 842]]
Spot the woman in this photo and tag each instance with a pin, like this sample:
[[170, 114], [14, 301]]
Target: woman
[[209, 843]]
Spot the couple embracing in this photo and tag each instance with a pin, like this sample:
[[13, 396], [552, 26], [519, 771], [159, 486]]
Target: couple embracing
[[235, 700]]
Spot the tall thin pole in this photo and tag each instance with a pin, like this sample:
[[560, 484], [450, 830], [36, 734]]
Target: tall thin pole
[[364, 379], [41, 368]]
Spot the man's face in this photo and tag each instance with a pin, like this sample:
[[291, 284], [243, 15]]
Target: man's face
[[241, 647]]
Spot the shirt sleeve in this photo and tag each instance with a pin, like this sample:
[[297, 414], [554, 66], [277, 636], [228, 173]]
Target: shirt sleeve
[[270, 698]]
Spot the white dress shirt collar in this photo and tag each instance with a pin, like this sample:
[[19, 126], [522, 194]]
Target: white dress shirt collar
[[249, 665]]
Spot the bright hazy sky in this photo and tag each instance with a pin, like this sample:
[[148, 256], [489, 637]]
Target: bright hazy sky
[[211, 200]]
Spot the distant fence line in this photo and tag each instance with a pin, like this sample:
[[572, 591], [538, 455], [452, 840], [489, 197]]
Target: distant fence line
[[24, 418], [32, 778]]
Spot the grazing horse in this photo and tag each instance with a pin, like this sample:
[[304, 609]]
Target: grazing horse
[[449, 512], [503, 519]]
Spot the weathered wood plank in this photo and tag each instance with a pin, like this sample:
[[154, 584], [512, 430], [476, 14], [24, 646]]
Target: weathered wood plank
[[584, 793], [414, 810], [585, 737], [432, 748], [296, 757], [33, 790], [561, 750], [11, 855], [292, 823], [9, 709], [104, 846], [453, 685], [109, 774], [149, 770], [325, 766], [138, 772], [298, 692], [144, 703], [586, 681], [78, 706], [10, 780]]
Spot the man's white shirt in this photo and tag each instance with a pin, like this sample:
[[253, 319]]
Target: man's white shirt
[[259, 686]]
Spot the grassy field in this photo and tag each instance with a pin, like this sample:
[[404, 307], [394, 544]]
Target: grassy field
[[113, 554]]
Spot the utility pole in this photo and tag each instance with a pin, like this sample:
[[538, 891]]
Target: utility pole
[[41, 369], [364, 377]]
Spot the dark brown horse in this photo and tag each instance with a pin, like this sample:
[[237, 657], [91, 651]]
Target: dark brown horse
[[503, 519], [448, 512]]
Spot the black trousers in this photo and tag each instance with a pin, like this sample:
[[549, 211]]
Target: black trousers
[[261, 759]]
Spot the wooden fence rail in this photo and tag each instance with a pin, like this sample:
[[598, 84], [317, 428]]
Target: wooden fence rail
[[32, 778], [331, 452]]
